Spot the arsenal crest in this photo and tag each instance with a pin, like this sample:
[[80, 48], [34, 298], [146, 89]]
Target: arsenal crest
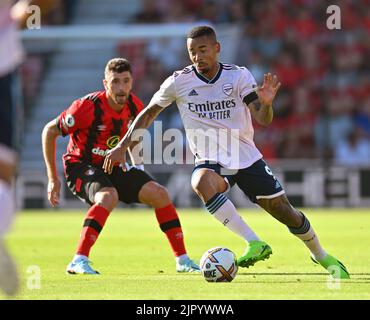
[[227, 89]]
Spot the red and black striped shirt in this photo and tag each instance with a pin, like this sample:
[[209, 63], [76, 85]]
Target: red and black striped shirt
[[94, 127]]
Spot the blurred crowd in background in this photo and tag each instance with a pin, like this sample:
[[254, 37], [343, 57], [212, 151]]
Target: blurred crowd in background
[[53, 12], [323, 107]]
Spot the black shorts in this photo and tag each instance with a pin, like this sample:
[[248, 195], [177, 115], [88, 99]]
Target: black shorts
[[85, 181], [256, 181]]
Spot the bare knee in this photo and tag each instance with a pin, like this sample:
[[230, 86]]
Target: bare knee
[[161, 194], [107, 198], [198, 183], [7, 171], [207, 183], [154, 194]]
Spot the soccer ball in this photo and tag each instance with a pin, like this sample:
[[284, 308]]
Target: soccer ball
[[218, 265]]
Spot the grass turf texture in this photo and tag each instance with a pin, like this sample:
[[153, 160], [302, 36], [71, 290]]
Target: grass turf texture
[[135, 260]]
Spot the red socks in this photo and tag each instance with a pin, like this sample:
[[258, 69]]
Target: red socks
[[94, 223], [167, 218], [170, 224]]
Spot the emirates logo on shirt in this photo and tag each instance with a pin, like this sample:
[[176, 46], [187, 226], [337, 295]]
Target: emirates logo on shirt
[[216, 110]]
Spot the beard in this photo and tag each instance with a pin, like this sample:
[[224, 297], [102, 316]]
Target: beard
[[203, 69], [120, 98]]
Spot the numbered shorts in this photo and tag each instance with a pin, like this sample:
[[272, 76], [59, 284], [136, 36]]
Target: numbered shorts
[[85, 181], [256, 181]]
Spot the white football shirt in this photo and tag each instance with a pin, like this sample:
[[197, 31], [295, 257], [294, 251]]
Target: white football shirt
[[217, 122]]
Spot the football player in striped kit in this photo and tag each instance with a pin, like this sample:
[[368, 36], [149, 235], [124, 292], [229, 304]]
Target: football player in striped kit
[[95, 123]]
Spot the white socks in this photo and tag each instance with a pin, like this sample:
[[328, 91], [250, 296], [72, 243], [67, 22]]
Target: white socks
[[225, 212], [306, 233]]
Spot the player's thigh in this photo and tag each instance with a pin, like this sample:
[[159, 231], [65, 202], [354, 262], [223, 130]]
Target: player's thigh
[[129, 183], [85, 181], [8, 163], [207, 182], [258, 182]]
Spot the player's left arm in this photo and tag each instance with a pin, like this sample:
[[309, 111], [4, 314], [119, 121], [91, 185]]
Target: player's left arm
[[261, 109]]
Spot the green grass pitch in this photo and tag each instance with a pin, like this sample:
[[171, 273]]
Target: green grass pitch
[[135, 260]]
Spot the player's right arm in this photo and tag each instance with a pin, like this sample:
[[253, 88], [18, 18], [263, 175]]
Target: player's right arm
[[161, 99], [142, 121], [77, 116], [49, 136]]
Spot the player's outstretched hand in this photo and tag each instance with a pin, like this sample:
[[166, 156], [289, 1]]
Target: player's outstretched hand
[[54, 192], [115, 155], [266, 93]]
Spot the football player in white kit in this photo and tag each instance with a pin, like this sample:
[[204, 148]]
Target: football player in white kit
[[222, 98], [12, 13]]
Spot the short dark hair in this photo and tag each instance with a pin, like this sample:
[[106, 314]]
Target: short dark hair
[[118, 65], [201, 31]]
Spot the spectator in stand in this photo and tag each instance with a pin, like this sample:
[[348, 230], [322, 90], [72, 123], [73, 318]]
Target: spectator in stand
[[266, 43], [210, 11], [304, 24], [236, 12], [337, 124], [353, 151], [257, 66], [289, 70], [362, 118], [149, 13], [177, 12]]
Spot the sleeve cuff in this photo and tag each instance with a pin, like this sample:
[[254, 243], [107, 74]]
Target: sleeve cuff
[[250, 97]]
